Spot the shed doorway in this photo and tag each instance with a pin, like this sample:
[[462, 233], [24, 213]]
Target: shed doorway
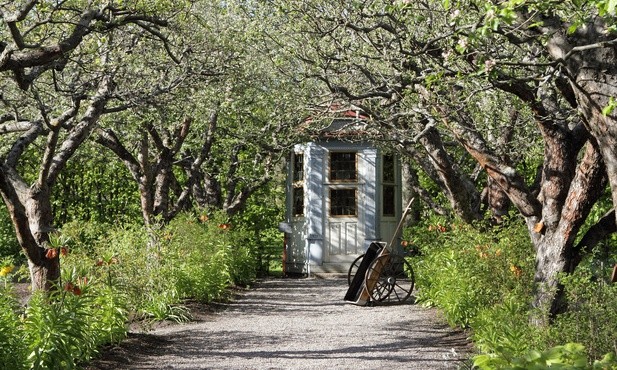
[[343, 195]]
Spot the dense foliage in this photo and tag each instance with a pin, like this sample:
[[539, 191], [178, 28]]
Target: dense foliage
[[117, 275], [482, 279], [198, 102]]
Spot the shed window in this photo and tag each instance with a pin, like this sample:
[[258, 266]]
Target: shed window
[[388, 186], [343, 202], [298, 184], [343, 166], [298, 167], [388, 200]]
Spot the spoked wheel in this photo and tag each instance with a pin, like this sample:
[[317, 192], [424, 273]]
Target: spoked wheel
[[354, 268], [390, 278]]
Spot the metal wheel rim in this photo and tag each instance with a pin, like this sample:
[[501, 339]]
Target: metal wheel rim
[[395, 281], [354, 268]]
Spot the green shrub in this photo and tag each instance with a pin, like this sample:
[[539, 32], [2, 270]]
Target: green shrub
[[591, 318], [113, 273], [461, 266], [12, 346], [568, 356], [9, 246], [202, 271], [504, 328], [56, 330], [483, 279]]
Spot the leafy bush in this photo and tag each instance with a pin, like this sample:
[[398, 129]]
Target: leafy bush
[[66, 327], [12, 347], [461, 265], [483, 279], [591, 318], [9, 247], [111, 274], [568, 356]]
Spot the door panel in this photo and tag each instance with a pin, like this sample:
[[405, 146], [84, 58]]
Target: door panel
[[343, 237]]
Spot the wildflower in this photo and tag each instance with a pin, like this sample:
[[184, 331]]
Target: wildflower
[[203, 218], [489, 65], [64, 251], [167, 236], [517, 271], [225, 226], [5, 270], [70, 287], [51, 253]]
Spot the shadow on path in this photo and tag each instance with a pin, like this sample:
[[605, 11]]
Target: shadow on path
[[296, 324]]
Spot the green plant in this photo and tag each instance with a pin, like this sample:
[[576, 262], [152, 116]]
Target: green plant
[[162, 308], [56, 330], [504, 328], [12, 346], [591, 318], [568, 356], [461, 264]]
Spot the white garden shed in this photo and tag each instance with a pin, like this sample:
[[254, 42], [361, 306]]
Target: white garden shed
[[342, 195]]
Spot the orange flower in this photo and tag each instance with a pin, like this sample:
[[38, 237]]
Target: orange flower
[[404, 243], [517, 271], [70, 287], [203, 218], [51, 253], [64, 251], [225, 226]]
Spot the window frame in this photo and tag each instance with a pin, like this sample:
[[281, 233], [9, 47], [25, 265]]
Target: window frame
[[297, 185], [388, 181]]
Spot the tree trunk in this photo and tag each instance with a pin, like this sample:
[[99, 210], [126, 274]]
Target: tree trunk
[[30, 211], [554, 236], [463, 196]]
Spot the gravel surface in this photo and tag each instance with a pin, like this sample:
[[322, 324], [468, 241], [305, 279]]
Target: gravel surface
[[296, 324]]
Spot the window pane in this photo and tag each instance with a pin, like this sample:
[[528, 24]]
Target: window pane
[[298, 167], [342, 202], [343, 167], [388, 200], [298, 201], [388, 168]]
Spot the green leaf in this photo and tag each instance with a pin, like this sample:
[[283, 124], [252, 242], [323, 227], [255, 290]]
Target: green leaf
[[611, 6], [608, 109]]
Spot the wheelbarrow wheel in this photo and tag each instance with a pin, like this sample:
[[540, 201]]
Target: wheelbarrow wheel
[[391, 278], [354, 268]]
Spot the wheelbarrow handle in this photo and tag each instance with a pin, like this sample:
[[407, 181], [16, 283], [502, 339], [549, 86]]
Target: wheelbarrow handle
[[400, 223]]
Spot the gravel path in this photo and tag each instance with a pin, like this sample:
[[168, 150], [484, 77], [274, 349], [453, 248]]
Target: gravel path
[[296, 324]]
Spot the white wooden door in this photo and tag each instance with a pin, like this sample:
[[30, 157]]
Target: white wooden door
[[344, 232]]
